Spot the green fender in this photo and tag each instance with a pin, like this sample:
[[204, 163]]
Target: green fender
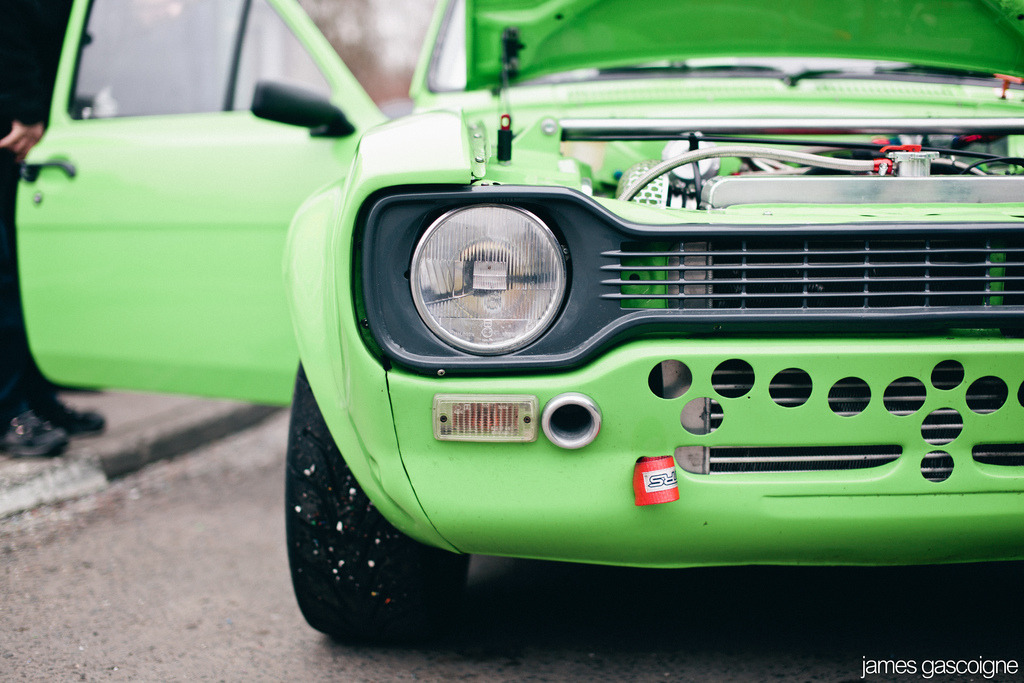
[[348, 381]]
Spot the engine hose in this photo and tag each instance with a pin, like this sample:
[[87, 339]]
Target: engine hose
[[854, 165]]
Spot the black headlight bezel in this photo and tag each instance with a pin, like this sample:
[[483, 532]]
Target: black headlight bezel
[[394, 224]]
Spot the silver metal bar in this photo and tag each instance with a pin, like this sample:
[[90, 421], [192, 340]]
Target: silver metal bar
[[730, 191], [810, 295], [1008, 451], [813, 267], [944, 412], [812, 280], [816, 266], [662, 128], [909, 249]]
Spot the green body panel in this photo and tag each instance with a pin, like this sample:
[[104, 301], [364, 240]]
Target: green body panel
[[562, 35], [157, 267], [537, 500], [112, 249]]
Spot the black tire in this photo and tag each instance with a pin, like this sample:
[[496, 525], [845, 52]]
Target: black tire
[[356, 577]]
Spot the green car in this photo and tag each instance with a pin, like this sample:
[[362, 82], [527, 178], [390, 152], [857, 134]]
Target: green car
[[651, 284]]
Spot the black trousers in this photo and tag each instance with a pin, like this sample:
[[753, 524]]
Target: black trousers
[[21, 383]]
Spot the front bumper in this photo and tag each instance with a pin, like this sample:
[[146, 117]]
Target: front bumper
[[537, 500]]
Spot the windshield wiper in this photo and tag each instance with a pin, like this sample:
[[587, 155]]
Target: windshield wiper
[[934, 71], [701, 71], [909, 72]]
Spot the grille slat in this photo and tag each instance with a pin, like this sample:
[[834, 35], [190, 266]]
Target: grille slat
[[796, 295], [947, 413], [793, 401], [833, 280], [820, 252], [809, 266], [933, 428]]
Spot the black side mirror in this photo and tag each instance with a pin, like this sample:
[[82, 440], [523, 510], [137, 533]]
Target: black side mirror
[[299, 107]]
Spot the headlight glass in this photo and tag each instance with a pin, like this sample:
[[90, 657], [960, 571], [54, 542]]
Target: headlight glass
[[488, 279]]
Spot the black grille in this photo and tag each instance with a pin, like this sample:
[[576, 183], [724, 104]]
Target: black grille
[[800, 458], [823, 272]]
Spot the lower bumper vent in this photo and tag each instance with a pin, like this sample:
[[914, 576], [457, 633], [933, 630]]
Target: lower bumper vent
[[1007, 454], [718, 460]]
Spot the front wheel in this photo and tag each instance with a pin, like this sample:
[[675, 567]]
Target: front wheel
[[356, 577]]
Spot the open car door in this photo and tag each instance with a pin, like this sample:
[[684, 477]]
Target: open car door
[[152, 217]]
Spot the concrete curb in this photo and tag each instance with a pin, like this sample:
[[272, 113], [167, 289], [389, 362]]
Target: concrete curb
[[129, 452], [57, 480], [166, 429]]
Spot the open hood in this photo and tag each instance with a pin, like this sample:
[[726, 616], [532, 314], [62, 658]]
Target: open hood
[[562, 35]]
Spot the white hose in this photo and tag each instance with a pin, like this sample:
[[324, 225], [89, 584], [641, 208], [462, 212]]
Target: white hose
[[854, 165]]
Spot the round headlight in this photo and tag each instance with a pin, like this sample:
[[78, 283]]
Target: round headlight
[[488, 279]]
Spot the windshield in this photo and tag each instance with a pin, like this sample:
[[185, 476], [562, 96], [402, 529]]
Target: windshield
[[448, 63]]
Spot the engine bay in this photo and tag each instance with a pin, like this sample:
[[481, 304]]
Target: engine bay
[[715, 164]]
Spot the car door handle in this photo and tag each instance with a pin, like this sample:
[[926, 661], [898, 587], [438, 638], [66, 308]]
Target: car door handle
[[30, 172]]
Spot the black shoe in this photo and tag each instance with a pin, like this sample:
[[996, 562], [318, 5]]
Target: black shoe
[[71, 421], [28, 436]]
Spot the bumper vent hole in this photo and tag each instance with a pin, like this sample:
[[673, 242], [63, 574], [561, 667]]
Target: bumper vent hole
[[937, 466], [987, 395], [669, 379], [948, 375], [701, 416], [904, 396], [942, 426], [733, 378], [790, 388], [849, 397]]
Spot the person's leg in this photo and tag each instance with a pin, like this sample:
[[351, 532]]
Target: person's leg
[[13, 349], [22, 432]]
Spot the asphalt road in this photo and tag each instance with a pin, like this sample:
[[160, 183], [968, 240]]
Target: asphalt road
[[179, 573]]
